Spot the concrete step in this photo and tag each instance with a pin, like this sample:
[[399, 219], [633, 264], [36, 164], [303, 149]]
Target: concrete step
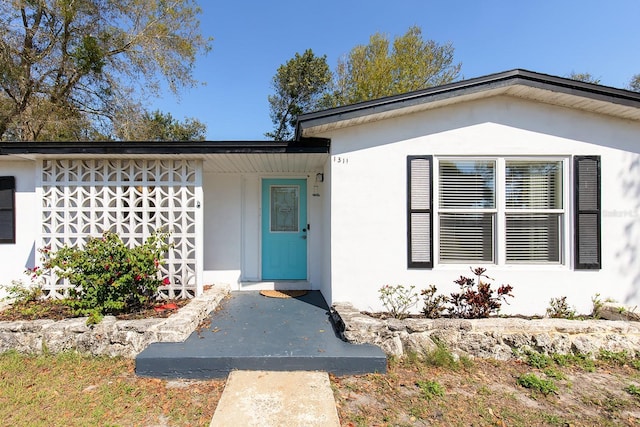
[[274, 399], [252, 332]]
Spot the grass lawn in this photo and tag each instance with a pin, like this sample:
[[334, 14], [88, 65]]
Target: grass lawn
[[541, 391], [439, 390], [74, 390]]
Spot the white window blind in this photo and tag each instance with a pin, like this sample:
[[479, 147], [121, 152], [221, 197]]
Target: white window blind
[[534, 211], [466, 237], [467, 202], [467, 184], [503, 210]]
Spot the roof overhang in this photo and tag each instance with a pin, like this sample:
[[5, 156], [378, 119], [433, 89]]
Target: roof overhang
[[517, 83], [305, 155]]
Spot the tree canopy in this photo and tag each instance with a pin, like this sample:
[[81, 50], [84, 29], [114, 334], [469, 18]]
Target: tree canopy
[[298, 86], [584, 77], [159, 126], [634, 84], [384, 68], [68, 67], [381, 68]]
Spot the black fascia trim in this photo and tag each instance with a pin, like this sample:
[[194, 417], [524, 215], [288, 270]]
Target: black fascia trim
[[464, 87], [308, 145]]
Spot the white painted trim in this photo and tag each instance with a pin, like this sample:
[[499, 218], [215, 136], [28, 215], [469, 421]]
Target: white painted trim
[[199, 226], [499, 238], [284, 285]]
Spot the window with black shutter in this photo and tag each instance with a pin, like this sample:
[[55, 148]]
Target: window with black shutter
[[7, 209], [587, 212], [419, 211]]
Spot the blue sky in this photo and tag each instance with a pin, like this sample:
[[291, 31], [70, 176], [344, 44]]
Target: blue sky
[[253, 38]]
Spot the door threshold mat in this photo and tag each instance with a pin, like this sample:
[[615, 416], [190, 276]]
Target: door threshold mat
[[282, 294]]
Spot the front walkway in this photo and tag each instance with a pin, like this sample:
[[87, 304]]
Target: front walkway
[[253, 332]]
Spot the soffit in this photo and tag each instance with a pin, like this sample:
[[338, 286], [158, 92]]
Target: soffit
[[218, 162]]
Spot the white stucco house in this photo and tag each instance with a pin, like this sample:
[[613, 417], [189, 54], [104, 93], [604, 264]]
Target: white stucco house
[[535, 177]]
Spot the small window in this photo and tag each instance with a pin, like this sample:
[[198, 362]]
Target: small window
[[7, 209], [285, 210]]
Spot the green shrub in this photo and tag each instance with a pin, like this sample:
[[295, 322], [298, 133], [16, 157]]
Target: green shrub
[[533, 382], [441, 357], [19, 292], [633, 390], [433, 305], [109, 277], [476, 301], [559, 309], [582, 360], [619, 358], [538, 360], [554, 373], [398, 300], [430, 389]]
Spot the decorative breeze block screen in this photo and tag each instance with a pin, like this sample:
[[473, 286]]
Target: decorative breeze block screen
[[132, 198]]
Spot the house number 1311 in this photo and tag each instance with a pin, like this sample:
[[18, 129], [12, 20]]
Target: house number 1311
[[338, 159]]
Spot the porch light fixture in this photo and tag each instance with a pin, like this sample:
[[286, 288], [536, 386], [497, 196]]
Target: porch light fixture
[[319, 178]]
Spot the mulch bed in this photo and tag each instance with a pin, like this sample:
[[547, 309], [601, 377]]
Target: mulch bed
[[58, 310]]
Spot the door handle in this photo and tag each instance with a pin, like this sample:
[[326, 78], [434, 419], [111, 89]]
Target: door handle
[[304, 237]]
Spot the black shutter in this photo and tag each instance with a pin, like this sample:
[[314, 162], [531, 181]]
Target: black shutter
[[419, 211], [587, 212], [7, 209]]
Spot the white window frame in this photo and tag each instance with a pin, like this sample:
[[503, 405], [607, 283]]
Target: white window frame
[[499, 236]]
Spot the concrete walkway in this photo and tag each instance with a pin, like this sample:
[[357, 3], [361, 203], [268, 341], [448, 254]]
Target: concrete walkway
[[250, 332], [274, 399]]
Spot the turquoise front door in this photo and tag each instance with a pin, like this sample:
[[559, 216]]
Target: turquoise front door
[[284, 229]]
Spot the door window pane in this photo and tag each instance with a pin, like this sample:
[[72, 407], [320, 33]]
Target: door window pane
[[284, 208]]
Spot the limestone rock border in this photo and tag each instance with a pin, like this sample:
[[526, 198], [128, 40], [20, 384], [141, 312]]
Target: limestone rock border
[[496, 338], [110, 337]]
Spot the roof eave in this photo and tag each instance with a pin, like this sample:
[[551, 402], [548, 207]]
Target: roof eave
[[305, 145], [468, 87]]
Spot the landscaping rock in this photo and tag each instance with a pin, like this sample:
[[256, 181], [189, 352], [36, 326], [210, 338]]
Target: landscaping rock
[[497, 338], [615, 311], [110, 337], [419, 343]]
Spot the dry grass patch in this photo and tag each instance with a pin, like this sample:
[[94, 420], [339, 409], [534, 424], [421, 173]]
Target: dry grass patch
[[74, 390], [486, 393]]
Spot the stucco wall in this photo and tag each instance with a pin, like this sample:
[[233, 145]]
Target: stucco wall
[[368, 199], [232, 218], [14, 258]]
